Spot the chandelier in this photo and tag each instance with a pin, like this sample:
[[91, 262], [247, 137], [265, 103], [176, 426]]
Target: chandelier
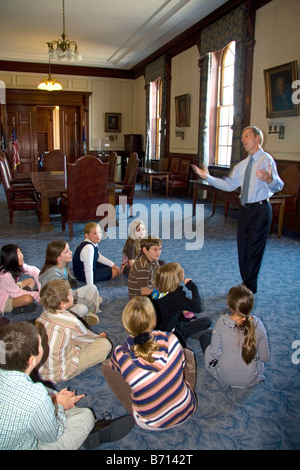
[[50, 84], [63, 49]]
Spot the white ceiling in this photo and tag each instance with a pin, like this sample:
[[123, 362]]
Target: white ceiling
[[109, 33]]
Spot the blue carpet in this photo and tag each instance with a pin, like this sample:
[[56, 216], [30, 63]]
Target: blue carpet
[[266, 417]]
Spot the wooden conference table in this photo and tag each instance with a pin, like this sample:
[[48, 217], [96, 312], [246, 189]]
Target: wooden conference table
[[51, 184], [278, 198], [149, 173]]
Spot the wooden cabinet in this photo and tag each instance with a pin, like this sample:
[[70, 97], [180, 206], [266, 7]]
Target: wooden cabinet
[[132, 143]]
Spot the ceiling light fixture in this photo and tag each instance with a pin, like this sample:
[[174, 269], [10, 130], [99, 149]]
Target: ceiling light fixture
[[62, 48], [50, 84]]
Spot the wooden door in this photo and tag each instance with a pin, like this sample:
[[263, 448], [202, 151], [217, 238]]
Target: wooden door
[[25, 124], [45, 129], [70, 141]]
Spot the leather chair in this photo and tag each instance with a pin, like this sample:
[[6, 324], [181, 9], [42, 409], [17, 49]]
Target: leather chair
[[291, 178], [18, 178], [112, 165], [87, 188], [127, 187], [19, 198], [181, 179], [164, 167], [54, 161]]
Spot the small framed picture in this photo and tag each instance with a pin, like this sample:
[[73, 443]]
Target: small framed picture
[[279, 90], [182, 110], [113, 122]]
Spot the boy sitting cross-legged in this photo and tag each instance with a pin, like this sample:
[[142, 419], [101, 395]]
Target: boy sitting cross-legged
[[141, 276], [34, 418], [70, 348]]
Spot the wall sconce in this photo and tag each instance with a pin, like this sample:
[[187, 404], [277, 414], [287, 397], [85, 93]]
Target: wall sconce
[[113, 137], [179, 133], [276, 127]]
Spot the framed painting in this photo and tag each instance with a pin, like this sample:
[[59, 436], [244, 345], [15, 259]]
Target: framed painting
[[113, 122], [279, 90], [182, 110]]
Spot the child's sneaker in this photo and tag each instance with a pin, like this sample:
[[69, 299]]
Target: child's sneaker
[[91, 319]]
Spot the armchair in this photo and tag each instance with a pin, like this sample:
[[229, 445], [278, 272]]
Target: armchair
[[54, 161], [291, 178], [87, 188], [18, 178], [127, 187], [19, 198], [181, 179]]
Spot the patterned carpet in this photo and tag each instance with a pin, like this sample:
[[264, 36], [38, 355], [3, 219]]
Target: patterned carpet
[[266, 417]]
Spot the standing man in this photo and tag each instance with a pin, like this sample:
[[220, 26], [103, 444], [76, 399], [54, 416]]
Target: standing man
[[258, 178]]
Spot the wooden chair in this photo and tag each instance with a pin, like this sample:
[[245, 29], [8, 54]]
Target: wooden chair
[[112, 165], [181, 179], [127, 187], [163, 166], [19, 198], [231, 198], [291, 178], [18, 178], [54, 161], [87, 188]]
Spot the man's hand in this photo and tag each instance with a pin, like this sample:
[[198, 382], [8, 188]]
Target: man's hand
[[202, 172], [265, 175]]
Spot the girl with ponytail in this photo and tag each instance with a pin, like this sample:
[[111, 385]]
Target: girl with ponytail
[[152, 376], [239, 344]]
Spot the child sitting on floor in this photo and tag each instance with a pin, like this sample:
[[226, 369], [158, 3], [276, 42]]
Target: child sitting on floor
[[69, 347], [34, 418], [137, 231], [141, 275], [17, 295], [175, 311], [89, 265], [152, 376], [239, 344], [87, 299]]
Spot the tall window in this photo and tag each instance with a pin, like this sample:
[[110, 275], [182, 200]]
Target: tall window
[[221, 105], [155, 118], [225, 108]]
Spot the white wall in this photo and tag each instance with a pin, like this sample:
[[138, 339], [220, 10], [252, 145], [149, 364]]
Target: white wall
[[185, 80], [108, 96], [277, 35]]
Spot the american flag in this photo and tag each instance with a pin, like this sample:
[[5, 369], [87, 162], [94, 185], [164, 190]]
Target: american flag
[[15, 147]]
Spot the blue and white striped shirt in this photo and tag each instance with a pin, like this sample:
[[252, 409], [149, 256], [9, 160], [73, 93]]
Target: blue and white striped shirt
[[27, 414]]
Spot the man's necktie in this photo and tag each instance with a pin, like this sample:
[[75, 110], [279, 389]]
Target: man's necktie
[[245, 188]]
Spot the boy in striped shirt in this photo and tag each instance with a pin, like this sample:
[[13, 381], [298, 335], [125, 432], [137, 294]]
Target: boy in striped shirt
[[142, 272]]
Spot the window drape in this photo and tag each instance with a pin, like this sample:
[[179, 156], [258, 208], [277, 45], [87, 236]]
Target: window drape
[[231, 27], [153, 71]]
